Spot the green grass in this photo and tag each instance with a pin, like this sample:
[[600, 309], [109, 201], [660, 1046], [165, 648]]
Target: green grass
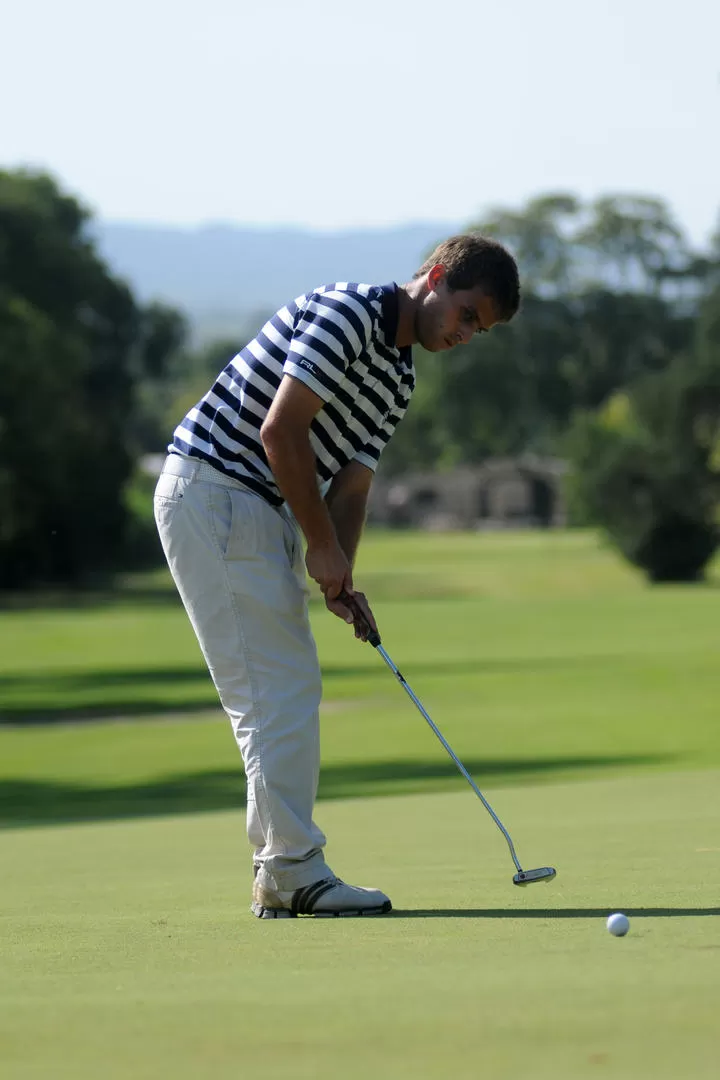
[[128, 951], [539, 655], [126, 948]]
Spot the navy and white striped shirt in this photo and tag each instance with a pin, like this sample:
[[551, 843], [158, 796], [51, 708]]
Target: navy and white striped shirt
[[340, 341]]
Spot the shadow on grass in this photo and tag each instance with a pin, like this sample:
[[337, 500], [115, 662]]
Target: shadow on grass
[[67, 692], [157, 589], [89, 599], [165, 595], [413, 588], [554, 913], [27, 801]]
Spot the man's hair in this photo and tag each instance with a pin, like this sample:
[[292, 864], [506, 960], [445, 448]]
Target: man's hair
[[471, 260]]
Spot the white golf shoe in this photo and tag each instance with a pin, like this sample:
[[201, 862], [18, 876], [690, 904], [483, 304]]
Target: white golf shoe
[[326, 898]]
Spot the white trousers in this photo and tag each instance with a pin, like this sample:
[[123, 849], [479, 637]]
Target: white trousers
[[239, 568]]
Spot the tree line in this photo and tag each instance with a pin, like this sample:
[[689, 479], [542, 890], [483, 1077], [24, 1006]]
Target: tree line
[[75, 351], [613, 363]]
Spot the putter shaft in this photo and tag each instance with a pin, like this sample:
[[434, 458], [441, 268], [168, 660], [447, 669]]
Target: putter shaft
[[399, 676], [366, 632]]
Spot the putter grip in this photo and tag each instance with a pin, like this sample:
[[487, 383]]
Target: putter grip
[[359, 618]]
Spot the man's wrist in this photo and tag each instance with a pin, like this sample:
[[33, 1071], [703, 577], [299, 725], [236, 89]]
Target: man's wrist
[[348, 518]]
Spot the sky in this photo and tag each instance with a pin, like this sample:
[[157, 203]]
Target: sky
[[344, 115]]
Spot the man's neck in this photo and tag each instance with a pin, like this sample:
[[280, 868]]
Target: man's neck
[[409, 299]]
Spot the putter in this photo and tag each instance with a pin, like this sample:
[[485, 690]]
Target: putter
[[522, 877]]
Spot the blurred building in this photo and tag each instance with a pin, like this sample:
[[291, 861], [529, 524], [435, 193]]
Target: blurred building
[[500, 493]]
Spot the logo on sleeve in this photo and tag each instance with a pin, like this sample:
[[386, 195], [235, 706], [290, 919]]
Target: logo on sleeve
[[306, 364]]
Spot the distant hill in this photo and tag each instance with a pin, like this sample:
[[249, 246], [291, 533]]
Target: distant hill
[[223, 275]]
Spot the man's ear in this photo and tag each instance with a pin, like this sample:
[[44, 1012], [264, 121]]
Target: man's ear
[[436, 276]]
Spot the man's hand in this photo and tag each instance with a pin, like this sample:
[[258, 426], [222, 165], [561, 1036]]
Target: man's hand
[[362, 617], [328, 565]]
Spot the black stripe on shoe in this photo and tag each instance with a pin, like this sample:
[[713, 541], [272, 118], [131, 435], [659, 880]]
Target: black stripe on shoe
[[304, 900], [311, 901]]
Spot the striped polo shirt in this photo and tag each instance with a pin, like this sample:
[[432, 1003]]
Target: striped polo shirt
[[340, 341]]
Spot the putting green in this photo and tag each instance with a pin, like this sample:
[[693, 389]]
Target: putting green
[[128, 951]]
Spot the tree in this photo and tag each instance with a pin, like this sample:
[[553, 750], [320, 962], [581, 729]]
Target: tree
[[610, 293], [647, 468], [71, 350], [162, 335], [633, 242], [618, 338], [539, 236], [158, 356]]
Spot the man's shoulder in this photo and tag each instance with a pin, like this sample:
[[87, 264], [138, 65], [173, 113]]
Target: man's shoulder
[[350, 292], [345, 302]]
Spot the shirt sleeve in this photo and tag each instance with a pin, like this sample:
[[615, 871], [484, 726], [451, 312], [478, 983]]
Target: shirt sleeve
[[332, 330]]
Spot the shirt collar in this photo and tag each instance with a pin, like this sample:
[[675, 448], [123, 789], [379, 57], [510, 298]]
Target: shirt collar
[[391, 317]]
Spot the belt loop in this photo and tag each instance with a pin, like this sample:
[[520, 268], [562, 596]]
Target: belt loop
[[178, 465]]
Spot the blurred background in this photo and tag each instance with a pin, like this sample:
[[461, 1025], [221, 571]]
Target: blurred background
[[169, 176]]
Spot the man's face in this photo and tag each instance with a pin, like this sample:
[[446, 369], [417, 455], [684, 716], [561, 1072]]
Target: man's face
[[450, 318]]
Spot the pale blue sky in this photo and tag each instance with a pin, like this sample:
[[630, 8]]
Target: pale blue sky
[[356, 114]]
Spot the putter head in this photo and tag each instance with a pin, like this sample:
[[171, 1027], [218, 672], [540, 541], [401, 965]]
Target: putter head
[[526, 877]]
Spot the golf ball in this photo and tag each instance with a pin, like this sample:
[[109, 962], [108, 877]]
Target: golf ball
[[618, 924]]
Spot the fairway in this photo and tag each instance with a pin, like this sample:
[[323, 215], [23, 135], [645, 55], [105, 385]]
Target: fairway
[[540, 656], [583, 701], [128, 949]]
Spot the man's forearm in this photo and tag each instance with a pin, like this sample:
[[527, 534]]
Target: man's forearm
[[293, 463], [348, 511]]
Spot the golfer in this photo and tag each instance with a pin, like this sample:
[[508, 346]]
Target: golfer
[[283, 446]]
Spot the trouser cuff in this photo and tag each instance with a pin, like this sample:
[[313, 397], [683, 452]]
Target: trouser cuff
[[285, 875]]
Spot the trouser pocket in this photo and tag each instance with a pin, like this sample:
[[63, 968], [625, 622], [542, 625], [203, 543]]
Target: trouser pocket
[[236, 522]]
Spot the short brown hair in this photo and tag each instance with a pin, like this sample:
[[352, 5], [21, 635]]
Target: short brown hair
[[471, 260]]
